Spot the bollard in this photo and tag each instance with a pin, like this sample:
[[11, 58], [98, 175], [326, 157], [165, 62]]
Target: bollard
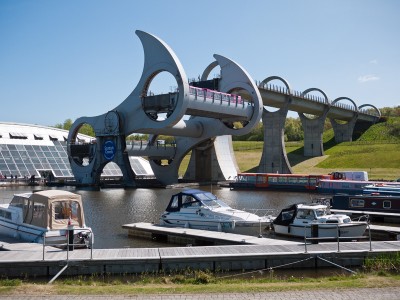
[[314, 233], [70, 236]]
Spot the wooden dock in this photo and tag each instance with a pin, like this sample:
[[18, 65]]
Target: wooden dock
[[36, 263], [196, 237], [240, 253], [228, 252]]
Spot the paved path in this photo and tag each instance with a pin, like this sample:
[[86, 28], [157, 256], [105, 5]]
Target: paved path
[[392, 293]]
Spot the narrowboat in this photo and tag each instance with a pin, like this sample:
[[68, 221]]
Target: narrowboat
[[287, 182], [372, 202], [392, 189], [353, 187]]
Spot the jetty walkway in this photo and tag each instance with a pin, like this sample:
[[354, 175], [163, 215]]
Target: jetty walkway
[[30, 260]]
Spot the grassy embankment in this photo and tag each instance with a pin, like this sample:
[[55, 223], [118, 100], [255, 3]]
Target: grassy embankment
[[195, 283], [377, 151]]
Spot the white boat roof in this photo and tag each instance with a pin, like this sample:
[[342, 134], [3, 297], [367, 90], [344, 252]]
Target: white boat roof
[[312, 207]]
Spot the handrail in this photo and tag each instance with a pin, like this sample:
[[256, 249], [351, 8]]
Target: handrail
[[67, 244], [216, 96], [338, 237]]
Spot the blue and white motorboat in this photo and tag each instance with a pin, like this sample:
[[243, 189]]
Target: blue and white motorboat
[[199, 209]]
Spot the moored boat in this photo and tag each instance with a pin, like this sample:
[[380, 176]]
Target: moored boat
[[275, 181], [315, 220], [46, 216], [392, 189], [372, 203], [199, 209]]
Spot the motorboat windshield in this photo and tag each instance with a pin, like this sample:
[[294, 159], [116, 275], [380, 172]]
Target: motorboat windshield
[[320, 212], [210, 200], [195, 199]]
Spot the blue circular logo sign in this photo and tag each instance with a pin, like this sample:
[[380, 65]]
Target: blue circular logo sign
[[109, 150]]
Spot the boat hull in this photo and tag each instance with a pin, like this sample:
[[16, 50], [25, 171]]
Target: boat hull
[[245, 228], [322, 230], [33, 234]]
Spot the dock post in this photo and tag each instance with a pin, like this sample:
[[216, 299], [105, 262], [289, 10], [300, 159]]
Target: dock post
[[70, 235], [314, 233]]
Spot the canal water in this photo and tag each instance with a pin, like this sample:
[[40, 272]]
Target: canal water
[[108, 209]]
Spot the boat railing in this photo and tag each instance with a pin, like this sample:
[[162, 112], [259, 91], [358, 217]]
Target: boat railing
[[67, 245], [364, 218], [261, 212], [338, 238]]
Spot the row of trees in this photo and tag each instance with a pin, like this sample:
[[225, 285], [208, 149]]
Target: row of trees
[[293, 128], [85, 129]]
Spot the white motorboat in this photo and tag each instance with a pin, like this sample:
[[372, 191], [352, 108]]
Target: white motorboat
[[315, 220], [203, 210], [46, 216]]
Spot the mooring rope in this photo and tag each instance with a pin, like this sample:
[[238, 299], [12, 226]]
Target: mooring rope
[[332, 263], [268, 269]]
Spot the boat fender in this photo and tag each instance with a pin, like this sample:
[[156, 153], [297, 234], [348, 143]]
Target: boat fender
[[187, 225], [233, 224], [219, 227]]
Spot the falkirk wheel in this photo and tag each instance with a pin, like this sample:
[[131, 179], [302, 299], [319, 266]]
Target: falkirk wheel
[[200, 120]]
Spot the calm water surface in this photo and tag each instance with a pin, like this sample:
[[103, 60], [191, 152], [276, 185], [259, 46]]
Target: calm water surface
[[107, 210]]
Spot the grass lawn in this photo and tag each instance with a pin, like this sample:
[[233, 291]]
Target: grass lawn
[[381, 161], [183, 284]]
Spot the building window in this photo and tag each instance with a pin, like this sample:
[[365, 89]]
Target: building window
[[387, 204], [357, 202]]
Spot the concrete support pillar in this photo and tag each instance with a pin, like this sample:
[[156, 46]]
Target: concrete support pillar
[[212, 161], [314, 128], [274, 158], [343, 132]]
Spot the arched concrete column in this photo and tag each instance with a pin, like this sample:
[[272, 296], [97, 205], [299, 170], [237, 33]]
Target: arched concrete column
[[361, 125], [274, 158], [313, 128], [344, 131], [378, 112], [216, 158]]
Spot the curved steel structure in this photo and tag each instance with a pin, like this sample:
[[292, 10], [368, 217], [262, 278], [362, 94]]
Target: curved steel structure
[[212, 113], [202, 121]]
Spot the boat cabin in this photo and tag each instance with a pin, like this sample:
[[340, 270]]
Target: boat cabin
[[303, 214], [51, 209], [194, 199]]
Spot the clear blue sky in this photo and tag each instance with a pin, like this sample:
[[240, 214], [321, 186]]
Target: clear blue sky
[[67, 59]]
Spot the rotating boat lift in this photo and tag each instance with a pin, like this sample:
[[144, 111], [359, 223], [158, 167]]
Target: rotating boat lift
[[201, 120]]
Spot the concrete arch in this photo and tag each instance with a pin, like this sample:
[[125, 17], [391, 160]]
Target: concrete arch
[[344, 131], [345, 98], [318, 90], [233, 76], [72, 135], [284, 109], [284, 81], [208, 70], [313, 128], [274, 157], [374, 107], [158, 57]]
